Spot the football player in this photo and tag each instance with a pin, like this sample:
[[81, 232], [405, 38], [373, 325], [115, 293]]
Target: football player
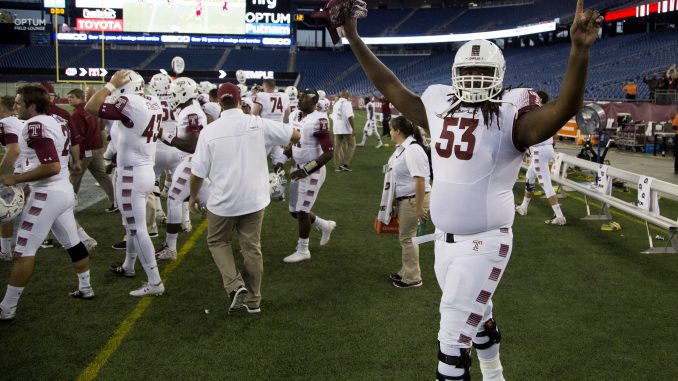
[[209, 105], [45, 143], [310, 154], [10, 131], [166, 158], [138, 118], [542, 154], [272, 105], [370, 124], [292, 92], [479, 132], [190, 121]]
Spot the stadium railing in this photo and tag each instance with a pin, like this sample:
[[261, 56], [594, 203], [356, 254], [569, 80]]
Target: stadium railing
[[649, 192]]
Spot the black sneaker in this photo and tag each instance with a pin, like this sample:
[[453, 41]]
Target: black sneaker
[[122, 245], [117, 269], [401, 284], [47, 244], [345, 168], [80, 294], [237, 297], [153, 235], [111, 209], [395, 277]]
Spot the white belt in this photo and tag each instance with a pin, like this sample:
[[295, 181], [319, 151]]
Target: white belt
[[440, 235]]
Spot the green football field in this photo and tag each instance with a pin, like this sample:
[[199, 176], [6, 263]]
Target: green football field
[[576, 303]]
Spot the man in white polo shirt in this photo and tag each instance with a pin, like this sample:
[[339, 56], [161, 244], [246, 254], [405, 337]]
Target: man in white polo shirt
[[231, 153], [343, 127]]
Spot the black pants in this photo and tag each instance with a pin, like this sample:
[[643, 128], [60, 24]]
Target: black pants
[[384, 125]]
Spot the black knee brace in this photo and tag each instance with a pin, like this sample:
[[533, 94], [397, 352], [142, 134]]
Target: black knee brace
[[461, 361], [491, 331], [78, 252], [529, 187]]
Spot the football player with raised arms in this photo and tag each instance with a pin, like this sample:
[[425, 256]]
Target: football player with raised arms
[[479, 132], [190, 121], [370, 124], [10, 132], [310, 155], [45, 145], [137, 120]]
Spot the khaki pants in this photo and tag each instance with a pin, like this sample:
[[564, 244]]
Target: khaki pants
[[344, 148], [407, 221], [97, 168], [219, 237]]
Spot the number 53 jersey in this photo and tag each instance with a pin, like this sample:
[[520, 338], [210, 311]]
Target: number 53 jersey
[[138, 120], [475, 162]]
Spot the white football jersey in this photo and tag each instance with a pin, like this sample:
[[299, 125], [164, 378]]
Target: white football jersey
[[294, 104], [475, 165], [273, 105], [10, 132], [141, 117], [369, 109], [169, 123], [190, 120], [36, 131], [308, 147], [323, 105], [295, 119]]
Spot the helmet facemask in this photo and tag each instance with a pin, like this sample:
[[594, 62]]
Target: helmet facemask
[[476, 88]]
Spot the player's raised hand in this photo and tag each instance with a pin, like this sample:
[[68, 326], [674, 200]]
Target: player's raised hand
[[585, 27], [120, 78]]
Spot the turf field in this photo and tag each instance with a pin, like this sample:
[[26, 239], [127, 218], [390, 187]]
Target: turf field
[[576, 303]]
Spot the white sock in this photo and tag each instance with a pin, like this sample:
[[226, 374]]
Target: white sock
[[557, 211], [302, 245], [151, 269], [83, 281], [171, 240], [526, 202], [130, 256], [6, 245], [491, 369], [83, 234], [319, 223], [11, 298]]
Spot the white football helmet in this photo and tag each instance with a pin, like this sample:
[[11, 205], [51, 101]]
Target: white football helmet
[[240, 76], [160, 84], [291, 92], [276, 188], [135, 85], [478, 88], [183, 89], [321, 94], [323, 105], [205, 87], [12, 201]]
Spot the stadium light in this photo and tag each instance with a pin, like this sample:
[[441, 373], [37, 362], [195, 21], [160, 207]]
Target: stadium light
[[504, 33]]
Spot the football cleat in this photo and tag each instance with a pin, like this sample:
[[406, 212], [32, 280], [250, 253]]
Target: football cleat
[[148, 289], [117, 268], [556, 221], [520, 210], [297, 256], [401, 284], [7, 315], [111, 209], [122, 245], [7, 257], [47, 244], [90, 244], [326, 230], [80, 294], [165, 253], [379, 145], [186, 226], [153, 234]]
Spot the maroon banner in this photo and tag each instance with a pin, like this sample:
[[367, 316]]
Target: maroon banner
[[640, 112]]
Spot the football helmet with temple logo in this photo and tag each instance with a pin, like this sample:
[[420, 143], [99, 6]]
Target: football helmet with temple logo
[[276, 187], [12, 201], [474, 88], [134, 85]]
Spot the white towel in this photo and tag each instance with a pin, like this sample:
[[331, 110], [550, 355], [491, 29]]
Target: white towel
[[388, 193]]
